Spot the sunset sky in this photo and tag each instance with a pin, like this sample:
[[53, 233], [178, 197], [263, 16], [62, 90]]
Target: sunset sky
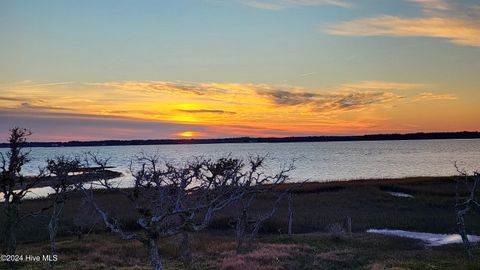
[[137, 69]]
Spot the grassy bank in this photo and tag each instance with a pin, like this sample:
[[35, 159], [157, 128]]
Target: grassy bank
[[216, 251], [317, 206]]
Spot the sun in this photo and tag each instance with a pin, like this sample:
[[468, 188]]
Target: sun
[[189, 134]]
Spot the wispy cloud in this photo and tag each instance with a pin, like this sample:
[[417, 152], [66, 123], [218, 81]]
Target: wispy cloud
[[383, 85], [433, 4], [30, 84], [206, 111], [457, 31], [328, 102], [344, 99], [283, 4], [307, 74], [10, 99], [50, 84], [431, 96], [158, 86], [441, 19], [30, 106]]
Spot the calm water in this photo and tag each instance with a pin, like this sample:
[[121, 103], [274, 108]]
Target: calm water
[[319, 161]]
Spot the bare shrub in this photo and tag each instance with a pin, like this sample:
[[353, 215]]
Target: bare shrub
[[466, 205], [14, 186], [172, 199], [255, 182], [59, 169]]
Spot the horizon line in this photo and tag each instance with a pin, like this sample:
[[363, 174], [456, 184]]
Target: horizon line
[[387, 136]]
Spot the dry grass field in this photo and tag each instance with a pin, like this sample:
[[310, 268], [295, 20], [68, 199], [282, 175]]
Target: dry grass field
[[315, 245]]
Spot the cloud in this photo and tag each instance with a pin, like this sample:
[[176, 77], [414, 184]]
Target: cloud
[[457, 31], [120, 112], [307, 74], [432, 4], [30, 84], [158, 86], [57, 126], [27, 83], [284, 97], [10, 99], [432, 96], [383, 85], [159, 109], [283, 4], [206, 111], [77, 126], [458, 24], [330, 102], [29, 106]]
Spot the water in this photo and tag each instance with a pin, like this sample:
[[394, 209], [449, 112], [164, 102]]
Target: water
[[431, 239], [317, 161]]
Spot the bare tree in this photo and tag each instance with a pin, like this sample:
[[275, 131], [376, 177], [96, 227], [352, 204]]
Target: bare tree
[[466, 205], [59, 169], [290, 214], [14, 186], [253, 183], [172, 199]]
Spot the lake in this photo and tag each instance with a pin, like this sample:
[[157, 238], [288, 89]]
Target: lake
[[316, 161]]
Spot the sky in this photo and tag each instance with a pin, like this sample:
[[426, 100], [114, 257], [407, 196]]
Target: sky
[[146, 69]]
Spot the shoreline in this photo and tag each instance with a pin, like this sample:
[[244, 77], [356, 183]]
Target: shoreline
[[347, 138], [373, 182], [402, 185], [73, 179]]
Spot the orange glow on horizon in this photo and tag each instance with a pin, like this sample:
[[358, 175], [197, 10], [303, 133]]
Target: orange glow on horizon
[[189, 134], [232, 109]]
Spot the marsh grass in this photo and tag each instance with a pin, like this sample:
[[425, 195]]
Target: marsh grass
[[272, 252], [317, 207]]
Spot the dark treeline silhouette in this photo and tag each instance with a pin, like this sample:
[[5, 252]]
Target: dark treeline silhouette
[[373, 137]]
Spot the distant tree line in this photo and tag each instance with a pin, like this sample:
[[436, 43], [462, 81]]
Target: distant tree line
[[373, 137]]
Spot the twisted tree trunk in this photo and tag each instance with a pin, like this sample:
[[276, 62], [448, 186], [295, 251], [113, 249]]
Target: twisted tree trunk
[[290, 214], [463, 232], [52, 231], [186, 253], [153, 254], [9, 241], [9, 230], [241, 230]]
